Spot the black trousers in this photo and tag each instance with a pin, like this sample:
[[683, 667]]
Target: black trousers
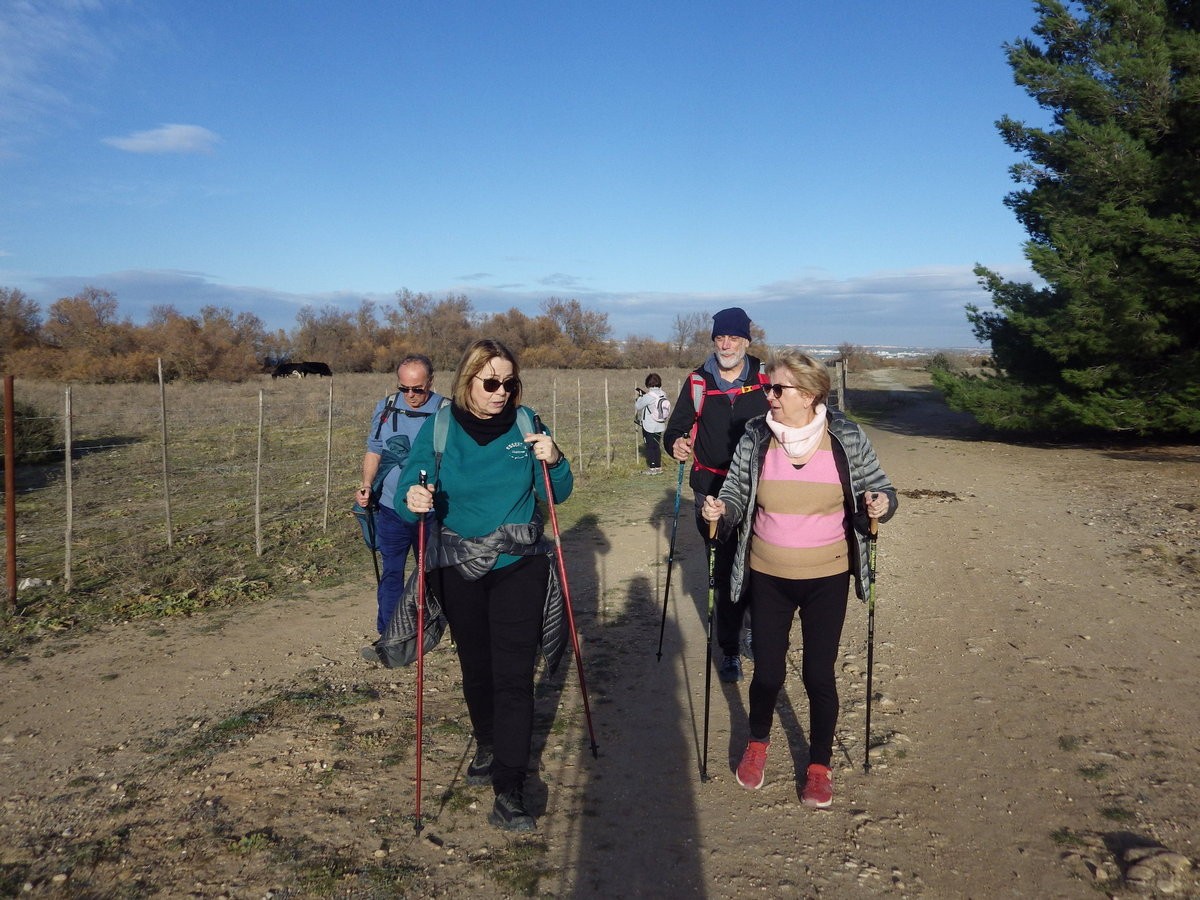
[[727, 615], [822, 606], [497, 627], [653, 448]]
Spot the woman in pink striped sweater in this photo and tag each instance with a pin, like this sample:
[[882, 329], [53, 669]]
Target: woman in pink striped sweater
[[802, 486]]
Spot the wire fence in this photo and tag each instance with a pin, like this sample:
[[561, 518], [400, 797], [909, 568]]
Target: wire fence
[[187, 466], [253, 469]]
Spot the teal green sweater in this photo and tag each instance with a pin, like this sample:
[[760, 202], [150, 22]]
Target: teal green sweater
[[481, 488]]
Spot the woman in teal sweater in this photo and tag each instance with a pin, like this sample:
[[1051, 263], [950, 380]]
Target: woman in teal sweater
[[490, 564]]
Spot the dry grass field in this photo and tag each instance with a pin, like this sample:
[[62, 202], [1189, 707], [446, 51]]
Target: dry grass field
[[269, 463]]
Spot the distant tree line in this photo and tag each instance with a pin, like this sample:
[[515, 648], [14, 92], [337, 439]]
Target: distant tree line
[[84, 338]]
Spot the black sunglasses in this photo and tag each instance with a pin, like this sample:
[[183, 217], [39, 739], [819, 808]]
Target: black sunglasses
[[776, 390], [491, 385], [405, 389]]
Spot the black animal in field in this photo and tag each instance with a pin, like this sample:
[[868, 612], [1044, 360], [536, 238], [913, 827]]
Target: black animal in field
[[301, 369]]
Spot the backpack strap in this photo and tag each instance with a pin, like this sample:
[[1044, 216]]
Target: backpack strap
[[701, 390], [389, 408], [441, 431], [441, 428], [525, 420]]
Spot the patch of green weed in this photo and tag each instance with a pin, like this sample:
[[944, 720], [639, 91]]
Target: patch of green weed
[[1065, 837]]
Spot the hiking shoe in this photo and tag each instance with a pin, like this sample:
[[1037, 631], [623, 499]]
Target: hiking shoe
[[730, 670], [370, 654], [479, 770], [751, 770], [652, 472], [747, 645], [509, 813], [818, 787]]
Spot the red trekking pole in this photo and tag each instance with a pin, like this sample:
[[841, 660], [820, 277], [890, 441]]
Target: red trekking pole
[[562, 575], [420, 652]]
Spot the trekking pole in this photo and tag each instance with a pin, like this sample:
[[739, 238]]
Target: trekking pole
[[712, 599], [562, 574], [420, 651], [371, 535], [670, 561], [872, 539]]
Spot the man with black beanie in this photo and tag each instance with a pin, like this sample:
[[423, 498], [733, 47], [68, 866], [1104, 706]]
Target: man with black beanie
[[709, 418]]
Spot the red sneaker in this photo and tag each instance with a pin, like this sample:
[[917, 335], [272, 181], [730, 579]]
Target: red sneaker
[[750, 771], [818, 787]]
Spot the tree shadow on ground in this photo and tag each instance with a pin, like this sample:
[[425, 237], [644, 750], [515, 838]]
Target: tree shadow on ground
[[918, 412]]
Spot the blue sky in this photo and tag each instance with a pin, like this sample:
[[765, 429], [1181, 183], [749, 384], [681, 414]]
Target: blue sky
[[832, 168]]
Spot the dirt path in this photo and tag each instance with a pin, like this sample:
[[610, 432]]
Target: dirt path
[[1036, 669]]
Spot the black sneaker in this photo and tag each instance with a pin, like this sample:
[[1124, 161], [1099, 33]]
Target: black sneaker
[[730, 670], [509, 813], [479, 770]]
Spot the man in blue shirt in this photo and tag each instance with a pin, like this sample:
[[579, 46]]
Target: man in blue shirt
[[394, 427]]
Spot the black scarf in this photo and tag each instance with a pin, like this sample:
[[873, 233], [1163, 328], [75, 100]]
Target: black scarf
[[484, 431]]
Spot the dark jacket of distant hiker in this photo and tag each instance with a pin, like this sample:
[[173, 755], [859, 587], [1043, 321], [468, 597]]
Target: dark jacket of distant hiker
[[723, 419]]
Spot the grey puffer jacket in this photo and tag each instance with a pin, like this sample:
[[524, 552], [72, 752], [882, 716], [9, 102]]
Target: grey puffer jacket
[[859, 470], [474, 558]]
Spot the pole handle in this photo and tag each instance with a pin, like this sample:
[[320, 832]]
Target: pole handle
[[423, 479], [712, 531], [874, 527]]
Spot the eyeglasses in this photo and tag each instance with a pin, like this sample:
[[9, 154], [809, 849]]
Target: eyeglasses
[[776, 390], [491, 385], [405, 389]]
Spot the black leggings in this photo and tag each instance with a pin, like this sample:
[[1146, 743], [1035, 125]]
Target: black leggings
[[822, 606], [497, 627]]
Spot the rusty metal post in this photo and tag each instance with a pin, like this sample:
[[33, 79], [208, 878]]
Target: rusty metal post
[[10, 493]]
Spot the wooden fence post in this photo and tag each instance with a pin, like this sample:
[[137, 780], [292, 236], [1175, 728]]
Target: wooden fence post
[[607, 429], [328, 458], [162, 406], [258, 548], [69, 482], [10, 491]]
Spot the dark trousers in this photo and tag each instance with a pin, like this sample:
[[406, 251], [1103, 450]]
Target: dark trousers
[[393, 537], [822, 606], [497, 627], [653, 448], [727, 615]]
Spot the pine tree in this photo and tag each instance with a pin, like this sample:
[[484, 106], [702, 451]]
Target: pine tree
[[1110, 198]]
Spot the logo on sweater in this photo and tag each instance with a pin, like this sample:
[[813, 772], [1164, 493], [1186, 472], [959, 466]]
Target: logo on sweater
[[518, 450]]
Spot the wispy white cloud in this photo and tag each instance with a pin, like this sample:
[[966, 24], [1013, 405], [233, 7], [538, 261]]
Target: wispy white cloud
[[167, 139], [46, 47], [562, 280]]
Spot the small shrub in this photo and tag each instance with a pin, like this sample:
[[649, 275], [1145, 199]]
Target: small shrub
[[35, 436]]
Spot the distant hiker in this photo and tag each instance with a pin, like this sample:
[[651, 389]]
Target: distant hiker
[[803, 484], [709, 418], [490, 562], [651, 412], [394, 426]]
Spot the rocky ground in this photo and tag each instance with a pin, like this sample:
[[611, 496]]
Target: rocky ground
[[1034, 722]]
